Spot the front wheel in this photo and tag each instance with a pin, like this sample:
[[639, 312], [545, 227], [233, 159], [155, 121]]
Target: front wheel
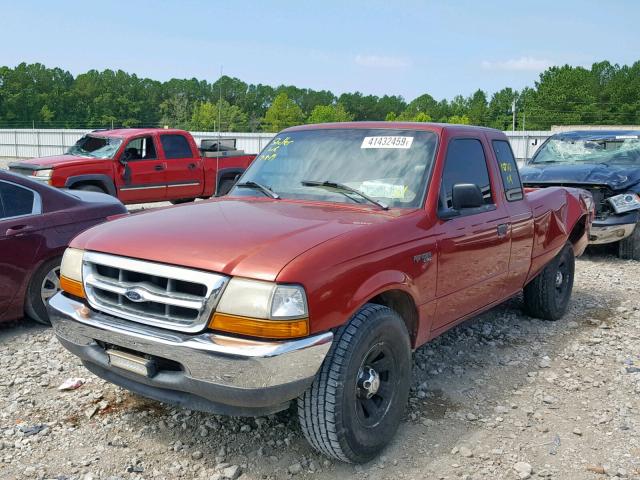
[[44, 284], [181, 201], [629, 248], [87, 187], [355, 404], [547, 296]]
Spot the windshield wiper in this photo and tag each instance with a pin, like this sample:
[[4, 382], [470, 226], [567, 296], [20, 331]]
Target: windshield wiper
[[343, 188], [258, 186]]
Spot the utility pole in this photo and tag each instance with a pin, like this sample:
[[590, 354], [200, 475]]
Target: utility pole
[[513, 111]]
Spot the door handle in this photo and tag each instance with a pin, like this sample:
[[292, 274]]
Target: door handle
[[159, 168], [502, 229], [17, 230], [192, 166]]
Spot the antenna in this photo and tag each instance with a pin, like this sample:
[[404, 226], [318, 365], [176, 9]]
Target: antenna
[[220, 109]]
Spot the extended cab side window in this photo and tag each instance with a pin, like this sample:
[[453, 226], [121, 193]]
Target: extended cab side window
[[465, 163], [141, 149], [175, 146], [508, 170], [17, 200]]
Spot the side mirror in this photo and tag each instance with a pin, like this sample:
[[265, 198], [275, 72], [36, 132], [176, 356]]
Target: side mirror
[[124, 158], [466, 195]]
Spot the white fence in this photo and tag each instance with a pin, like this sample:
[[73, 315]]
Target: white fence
[[28, 143]]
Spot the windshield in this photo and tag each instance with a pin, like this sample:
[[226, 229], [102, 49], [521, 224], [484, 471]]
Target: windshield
[[389, 166], [622, 149], [96, 147]]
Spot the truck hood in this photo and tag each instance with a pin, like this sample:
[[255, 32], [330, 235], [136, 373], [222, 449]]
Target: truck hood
[[616, 177], [248, 238], [57, 160]]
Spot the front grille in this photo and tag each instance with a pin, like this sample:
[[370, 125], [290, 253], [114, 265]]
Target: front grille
[[152, 293]]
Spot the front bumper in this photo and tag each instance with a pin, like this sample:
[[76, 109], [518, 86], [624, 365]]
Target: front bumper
[[613, 228], [206, 371]]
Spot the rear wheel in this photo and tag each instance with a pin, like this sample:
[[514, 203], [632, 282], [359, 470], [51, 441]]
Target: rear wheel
[[547, 296], [44, 284], [629, 248], [89, 188], [354, 406]]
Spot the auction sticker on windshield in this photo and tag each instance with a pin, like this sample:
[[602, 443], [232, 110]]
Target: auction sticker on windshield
[[387, 142]]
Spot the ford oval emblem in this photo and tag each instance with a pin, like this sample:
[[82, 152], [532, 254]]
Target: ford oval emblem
[[133, 296]]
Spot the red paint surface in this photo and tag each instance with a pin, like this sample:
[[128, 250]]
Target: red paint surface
[[159, 172]]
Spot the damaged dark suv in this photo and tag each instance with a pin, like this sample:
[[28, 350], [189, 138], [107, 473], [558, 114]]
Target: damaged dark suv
[[607, 163]]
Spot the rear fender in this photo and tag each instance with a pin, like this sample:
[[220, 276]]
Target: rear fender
[[560, 215]]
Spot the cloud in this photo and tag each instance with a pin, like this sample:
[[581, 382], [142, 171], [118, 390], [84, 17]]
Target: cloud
[[379, 61], [522, 64]]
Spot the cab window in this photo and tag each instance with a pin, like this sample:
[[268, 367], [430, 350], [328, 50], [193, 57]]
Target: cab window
[[465, 163], [508, 170], [140, 149], [175, 146]]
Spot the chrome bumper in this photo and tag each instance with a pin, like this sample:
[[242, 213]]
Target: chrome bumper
[[610, 233], [204, 371]]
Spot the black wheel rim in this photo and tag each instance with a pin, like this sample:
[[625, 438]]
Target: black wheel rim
[[375, 385], [562, 279]]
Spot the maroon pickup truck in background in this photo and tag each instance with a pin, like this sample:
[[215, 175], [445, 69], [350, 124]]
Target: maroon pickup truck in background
[[341, 249], [142, 165]]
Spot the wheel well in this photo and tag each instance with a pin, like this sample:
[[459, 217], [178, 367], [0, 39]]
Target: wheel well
[[578, 230], [95, 183], [402, 303]]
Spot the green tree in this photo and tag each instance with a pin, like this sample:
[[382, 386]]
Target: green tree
[[459, 119], [176, 112], [478, 108], [220, 116], [282, 113], [329, 113]]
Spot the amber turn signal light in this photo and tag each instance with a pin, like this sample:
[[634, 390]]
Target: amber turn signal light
[[72, 287], [255, 327]]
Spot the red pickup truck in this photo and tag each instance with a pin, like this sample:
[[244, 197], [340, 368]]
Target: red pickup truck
[[142, 165], [341, 249]]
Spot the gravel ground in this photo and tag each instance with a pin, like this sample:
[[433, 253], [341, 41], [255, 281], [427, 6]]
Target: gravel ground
[[501, 396]]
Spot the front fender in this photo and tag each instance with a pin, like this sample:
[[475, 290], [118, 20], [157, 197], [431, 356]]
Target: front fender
[[105, 181], [379, 283]]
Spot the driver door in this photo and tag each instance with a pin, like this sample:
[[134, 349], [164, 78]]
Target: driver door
[[146, 179], [474, 247]]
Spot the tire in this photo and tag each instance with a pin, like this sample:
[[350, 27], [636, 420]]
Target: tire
[[181, 200], [343, 414], [629, 248], [547, 296], [226, 184], [90, 188], [43, 285]]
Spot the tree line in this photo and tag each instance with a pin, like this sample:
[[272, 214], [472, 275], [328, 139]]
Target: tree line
[[33, 95]]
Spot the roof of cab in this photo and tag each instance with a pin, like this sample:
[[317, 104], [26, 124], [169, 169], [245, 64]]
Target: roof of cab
[[133, 132], [433, 127]]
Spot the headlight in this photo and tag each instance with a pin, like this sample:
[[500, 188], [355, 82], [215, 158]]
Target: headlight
[[43, 173], [71, 272], [262, 309], [625, 202]]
